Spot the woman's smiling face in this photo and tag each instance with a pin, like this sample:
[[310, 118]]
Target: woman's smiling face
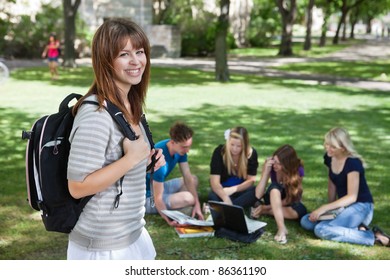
[[129, 67]]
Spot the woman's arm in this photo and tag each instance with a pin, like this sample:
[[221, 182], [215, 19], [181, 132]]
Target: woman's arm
[[331, 191], [215, 182], [241, 187], [44, 52], [265, 175], [348, 199], [99, 180]]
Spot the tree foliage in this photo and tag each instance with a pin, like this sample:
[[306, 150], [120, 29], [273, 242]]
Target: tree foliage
[[264, 24], [26, 37]]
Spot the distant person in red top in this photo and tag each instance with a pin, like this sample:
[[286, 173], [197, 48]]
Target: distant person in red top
[[52, 53]]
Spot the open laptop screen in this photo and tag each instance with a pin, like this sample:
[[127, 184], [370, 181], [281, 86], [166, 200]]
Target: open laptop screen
[[228, 216]]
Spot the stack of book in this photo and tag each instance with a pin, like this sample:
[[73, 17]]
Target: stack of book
[[194, 231], [190, 227]]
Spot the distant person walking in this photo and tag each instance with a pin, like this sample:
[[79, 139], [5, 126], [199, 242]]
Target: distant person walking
[[52, 53]]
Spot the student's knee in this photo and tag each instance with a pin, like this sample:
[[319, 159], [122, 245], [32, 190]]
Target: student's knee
[[306, 223], [275, 195], [188, 199], [321, 231]]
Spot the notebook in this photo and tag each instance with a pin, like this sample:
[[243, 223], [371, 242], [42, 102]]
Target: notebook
[[233, 217]]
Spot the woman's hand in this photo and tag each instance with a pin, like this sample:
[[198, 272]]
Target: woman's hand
[[313, 217], [159, 156], [230, 190], [136, 150], [267, 166]]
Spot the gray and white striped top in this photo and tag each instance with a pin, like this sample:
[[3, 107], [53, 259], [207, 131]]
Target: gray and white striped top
[[96, 141]]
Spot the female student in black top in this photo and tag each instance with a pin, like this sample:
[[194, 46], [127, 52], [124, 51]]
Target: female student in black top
[[233, 170], [348, 188]]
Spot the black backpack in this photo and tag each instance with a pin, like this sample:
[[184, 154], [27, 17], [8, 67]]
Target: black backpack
[[47, 155]]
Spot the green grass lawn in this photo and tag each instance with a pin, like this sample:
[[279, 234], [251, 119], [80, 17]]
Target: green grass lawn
[[298, 51], [378, 70], [275, 111]]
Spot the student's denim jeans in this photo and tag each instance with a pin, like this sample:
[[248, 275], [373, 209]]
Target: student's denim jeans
[[344, 228]]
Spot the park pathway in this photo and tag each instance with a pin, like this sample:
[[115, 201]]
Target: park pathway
[[372, 49]]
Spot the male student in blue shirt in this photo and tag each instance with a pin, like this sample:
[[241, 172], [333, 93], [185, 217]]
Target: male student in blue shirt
[[175, 193]]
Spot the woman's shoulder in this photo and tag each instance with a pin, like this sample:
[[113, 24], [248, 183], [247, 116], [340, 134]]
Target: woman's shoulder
[[219, 148], [354, 163], [218, 151], [253, 150], [88, 110]]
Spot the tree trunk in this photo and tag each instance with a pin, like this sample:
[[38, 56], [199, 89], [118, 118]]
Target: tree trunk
[[369, 25], [221, 65], [324, 28], [344, 37], [354, 18], [287, 9], [344, 12], [352, 33], [307, 44], [70, 11]]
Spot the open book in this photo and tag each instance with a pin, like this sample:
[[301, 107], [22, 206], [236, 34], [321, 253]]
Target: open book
[[184, 219], [194, 231], [331, 214]]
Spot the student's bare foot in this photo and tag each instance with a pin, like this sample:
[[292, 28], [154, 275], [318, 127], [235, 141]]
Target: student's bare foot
[[281, 237]]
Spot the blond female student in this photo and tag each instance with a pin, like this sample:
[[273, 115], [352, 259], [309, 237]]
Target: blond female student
[[348, 189], [233, 169]]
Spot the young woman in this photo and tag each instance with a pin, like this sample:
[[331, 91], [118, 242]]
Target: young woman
[[347, 187], [52, 53], [233, 170], [100, 155], [283, 196]]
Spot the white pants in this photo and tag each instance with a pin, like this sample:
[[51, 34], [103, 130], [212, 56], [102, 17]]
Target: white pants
[[142, 249]]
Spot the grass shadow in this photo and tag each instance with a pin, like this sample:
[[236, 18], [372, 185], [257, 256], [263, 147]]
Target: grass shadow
[[24, 238]]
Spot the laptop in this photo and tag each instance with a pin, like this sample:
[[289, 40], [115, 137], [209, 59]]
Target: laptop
[[233, 217]]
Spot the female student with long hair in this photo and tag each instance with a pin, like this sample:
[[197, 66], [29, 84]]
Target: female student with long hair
[[282, 199], [52, 53], [233, 169], [100, 155], [348, 188]]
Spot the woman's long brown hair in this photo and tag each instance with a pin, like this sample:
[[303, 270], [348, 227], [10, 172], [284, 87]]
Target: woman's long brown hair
[[110, 38], [290, 167]]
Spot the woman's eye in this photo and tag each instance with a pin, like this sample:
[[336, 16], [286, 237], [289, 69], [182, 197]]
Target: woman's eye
[[140, 51]]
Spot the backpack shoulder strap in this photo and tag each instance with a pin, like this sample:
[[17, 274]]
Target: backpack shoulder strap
[[118, 116], [147, 130]]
